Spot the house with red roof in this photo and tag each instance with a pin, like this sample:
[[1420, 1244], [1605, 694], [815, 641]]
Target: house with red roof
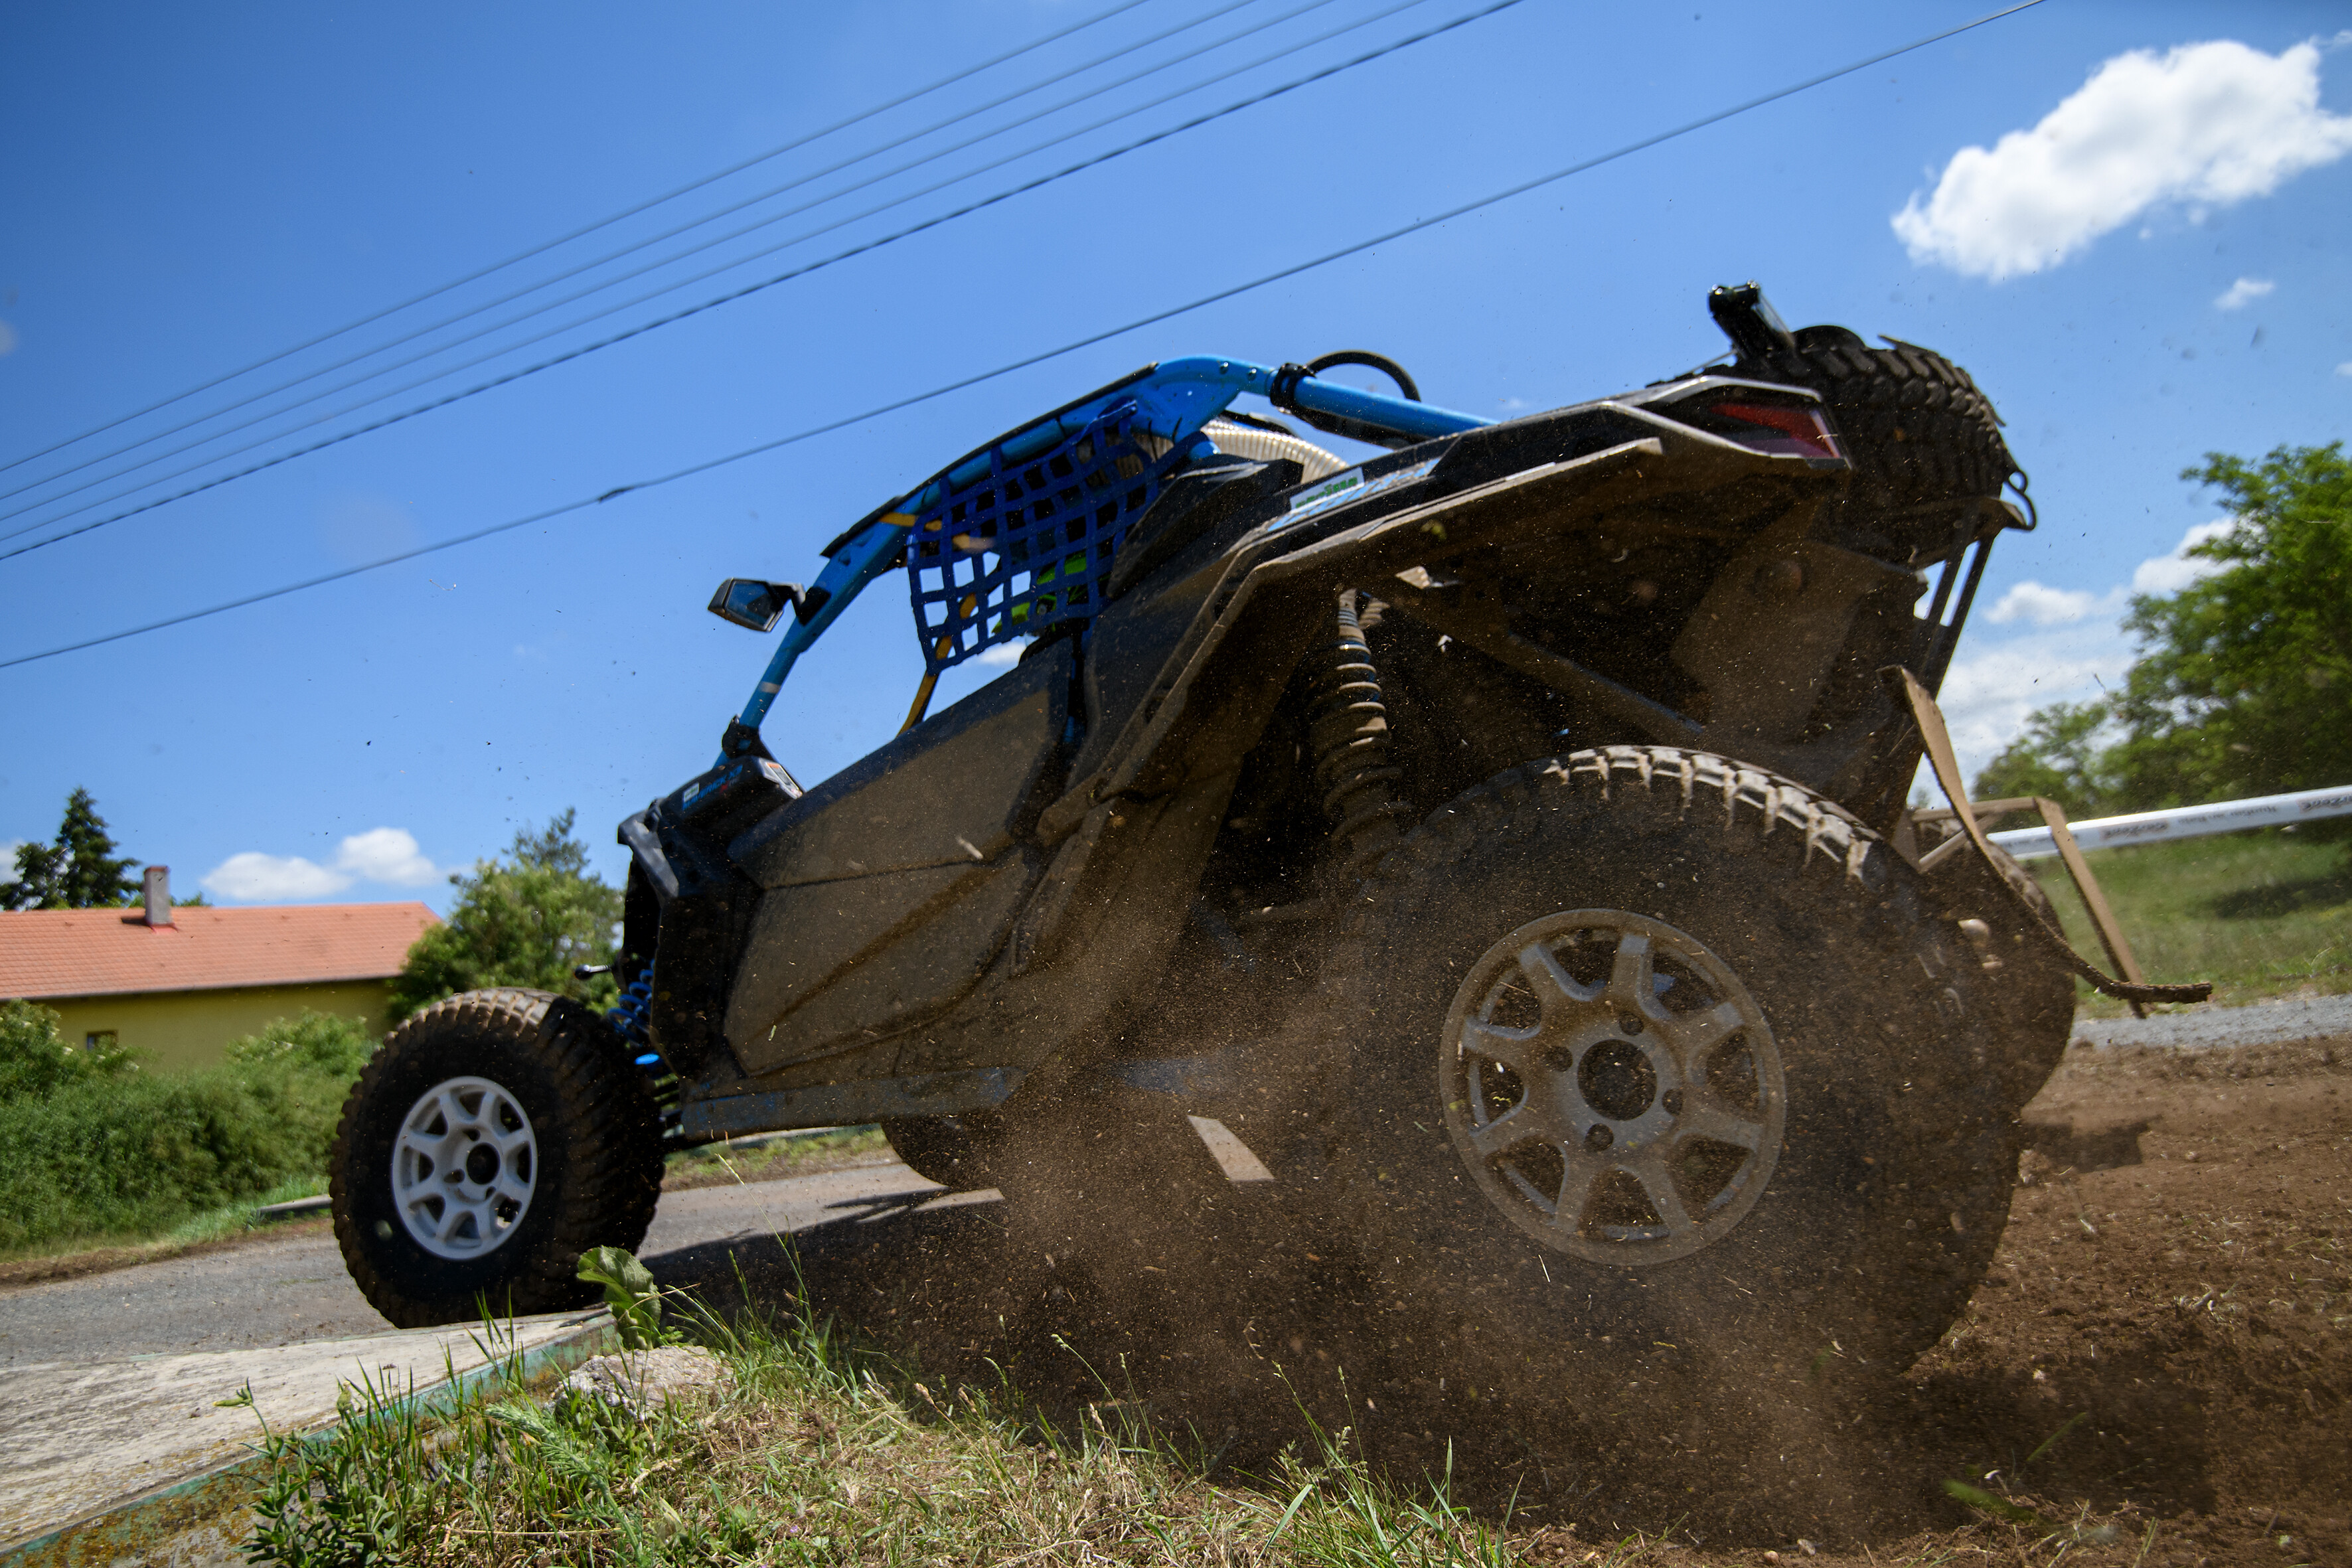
[[178, 984]]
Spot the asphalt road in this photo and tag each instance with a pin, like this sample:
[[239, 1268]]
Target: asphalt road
[[295, 1289], [286, 1292]]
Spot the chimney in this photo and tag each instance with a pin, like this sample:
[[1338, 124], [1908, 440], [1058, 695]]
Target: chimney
[[159, 895]]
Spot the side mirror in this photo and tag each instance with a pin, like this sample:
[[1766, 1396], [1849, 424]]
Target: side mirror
[[749, 603]]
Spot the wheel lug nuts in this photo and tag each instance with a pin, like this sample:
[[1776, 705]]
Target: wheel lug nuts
[[1673, 1102], [1630, 1024], [1600, 1138]]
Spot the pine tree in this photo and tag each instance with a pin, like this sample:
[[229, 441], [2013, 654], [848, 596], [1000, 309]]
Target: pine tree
[[39, 874], [97, 877], [79, 871]]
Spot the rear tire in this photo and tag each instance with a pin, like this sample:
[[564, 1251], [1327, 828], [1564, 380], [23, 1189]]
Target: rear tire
[[1914, 425], [496, 1137], [1809, 1167]]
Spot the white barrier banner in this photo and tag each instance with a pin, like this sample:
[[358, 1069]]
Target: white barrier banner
[[2187, 822]]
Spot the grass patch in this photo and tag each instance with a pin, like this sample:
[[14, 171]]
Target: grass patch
[[68, 1256], [2260, 914], [819, 1449], [772, 1157]]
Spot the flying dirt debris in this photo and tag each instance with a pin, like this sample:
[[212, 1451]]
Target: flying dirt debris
[[1493, 835]]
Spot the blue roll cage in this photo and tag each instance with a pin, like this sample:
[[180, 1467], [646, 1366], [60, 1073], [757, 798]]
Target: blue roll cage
[[1173, 400]]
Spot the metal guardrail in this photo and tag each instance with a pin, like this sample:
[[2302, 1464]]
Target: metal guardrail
[[2187, 822]]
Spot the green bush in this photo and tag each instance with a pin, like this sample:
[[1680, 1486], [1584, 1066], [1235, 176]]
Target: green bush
[[36, 1059], [314, 1043], [122, 1153]]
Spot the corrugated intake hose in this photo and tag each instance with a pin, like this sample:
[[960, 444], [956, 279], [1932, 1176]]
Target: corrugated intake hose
[[1348, 729]]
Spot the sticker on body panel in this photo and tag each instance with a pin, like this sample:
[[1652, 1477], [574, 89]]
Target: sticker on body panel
[[1345, 489]]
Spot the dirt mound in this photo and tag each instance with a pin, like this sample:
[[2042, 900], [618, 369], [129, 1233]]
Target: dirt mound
[[2165, 1339]]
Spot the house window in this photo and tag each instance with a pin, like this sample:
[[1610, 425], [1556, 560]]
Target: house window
[[100, 1040]]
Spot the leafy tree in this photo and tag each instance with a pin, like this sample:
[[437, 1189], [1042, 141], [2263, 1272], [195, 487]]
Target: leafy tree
[[79, 871], [2243, 682], [2058, 757], [528, 919]]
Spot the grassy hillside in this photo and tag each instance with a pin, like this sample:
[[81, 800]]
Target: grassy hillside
[[2260, 914]]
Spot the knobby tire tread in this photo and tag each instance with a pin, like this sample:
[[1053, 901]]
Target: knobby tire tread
[[1925, 1267], [1915, 427], [607, 1118]]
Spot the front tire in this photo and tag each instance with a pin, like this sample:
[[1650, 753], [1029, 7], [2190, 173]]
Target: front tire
[[496, 1137], [1645, 1050]]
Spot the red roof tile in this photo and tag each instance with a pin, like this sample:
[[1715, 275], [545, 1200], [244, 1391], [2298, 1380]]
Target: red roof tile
[[105, 952]]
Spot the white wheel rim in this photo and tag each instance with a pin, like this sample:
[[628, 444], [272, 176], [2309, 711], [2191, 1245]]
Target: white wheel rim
[[464, 1168], [1697, 1137]]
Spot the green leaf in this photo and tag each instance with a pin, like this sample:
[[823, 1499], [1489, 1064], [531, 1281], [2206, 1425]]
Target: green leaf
[[629, 1291]]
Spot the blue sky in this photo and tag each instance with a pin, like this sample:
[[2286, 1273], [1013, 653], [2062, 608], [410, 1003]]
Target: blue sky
[[2150, 266]]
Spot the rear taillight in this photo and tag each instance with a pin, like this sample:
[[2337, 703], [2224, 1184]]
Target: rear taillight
[[1783, 429]]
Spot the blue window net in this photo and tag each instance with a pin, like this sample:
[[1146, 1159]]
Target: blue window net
[[1029, 540]]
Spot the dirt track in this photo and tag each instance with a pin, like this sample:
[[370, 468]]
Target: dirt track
[[2175, 1274], [2177, 1267]]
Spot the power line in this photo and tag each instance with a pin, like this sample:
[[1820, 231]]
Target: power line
[[630, 249], [804, 270], [546, 246], [1357, 248], [602, 313]]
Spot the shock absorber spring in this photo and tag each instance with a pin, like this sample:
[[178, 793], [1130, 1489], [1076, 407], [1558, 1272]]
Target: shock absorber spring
[[632, 1016], [1348, 729]]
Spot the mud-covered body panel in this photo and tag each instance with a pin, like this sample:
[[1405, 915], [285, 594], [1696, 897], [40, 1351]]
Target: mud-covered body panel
[[991, 888], [952, 789], [888, 889]]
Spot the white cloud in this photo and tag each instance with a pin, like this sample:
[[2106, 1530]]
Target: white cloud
[[379, 855], [8, 857], [256, 878], [2170, 574], [387, 855], [2345, 369], [1991, 689], [1003, 655], [2207, 124], [2243, 293], [7, 340], [2074, 651], [2030, 601]]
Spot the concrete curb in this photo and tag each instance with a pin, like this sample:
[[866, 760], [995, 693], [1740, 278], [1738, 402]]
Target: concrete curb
[[196, 1521]]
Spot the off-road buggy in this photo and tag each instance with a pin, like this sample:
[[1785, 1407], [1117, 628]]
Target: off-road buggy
[[1493, 835]]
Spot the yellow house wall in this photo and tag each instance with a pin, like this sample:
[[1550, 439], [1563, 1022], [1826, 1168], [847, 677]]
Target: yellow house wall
[[174, 1030]]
